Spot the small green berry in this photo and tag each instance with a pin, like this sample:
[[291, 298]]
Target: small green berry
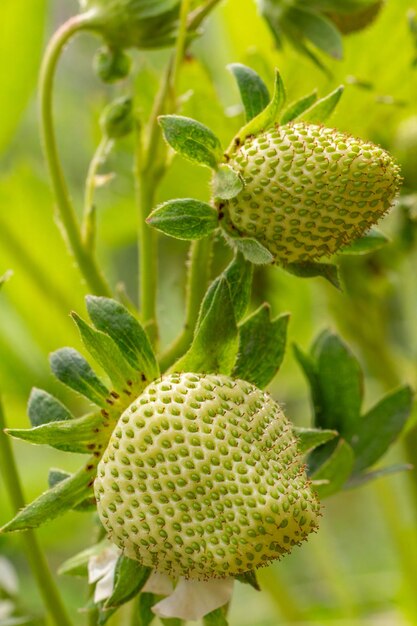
[[117, 118], [215, 486], [308, 191], [111, 65]]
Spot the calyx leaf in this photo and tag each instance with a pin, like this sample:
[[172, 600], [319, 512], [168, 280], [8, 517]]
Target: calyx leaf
[[185, 219], [226, 183], [323, 108], [192, 140], [253, 91]]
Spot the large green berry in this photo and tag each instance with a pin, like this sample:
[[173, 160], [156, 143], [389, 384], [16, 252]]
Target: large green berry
[[358, 20], [308, 191], [202, 478], [134, 23]]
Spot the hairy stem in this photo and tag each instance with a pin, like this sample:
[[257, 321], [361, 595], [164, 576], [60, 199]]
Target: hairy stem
[[35, 555], [85, 260], [197, 282], [89, 221]]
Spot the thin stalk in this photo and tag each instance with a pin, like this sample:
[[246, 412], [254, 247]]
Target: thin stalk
[[35, 555], [89, 216], [85, 260], [197, 281]]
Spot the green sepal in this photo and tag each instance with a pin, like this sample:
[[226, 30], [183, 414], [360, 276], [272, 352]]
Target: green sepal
[[73, 370], [253, 91], [249, 578], [297, 108], [340, 379], [216, 618], [253, 251], [262, 344], [192, 140], [115, 320], [56, 475], [44, 408], [216, 340], [227, 183], [144, 614], [54, 502], [358, 480], [323, 108], [336, 470], [107, 354], [317, 29], [185, 219], [372, 241], [129, 578], [311, 438], [238, 275], [380, 427], [77, 565], [306, 269], [77, 435], [267, 118]]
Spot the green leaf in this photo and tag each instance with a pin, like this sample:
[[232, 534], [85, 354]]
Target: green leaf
[[317, 29], [76, 435], [336, 470], [253, 251], [226, 183], [115, 320], [129, 578], [321, 111], [78, 565], [192, 140], [215, 343], [261, 347], [380, 427], [185, 219], [297, 108], [44, 408], [310, 438], [309, 367], [341, 385], [238, 275], [358, 480], [215, 618], [105, 351], [144, 615], [54, 502], [249, 578], [373, 240], [328, 271], [267, 118], [253, 91], [73, 370]]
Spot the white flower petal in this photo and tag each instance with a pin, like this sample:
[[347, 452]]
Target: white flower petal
[[100, 564], [6, 609], [159, 584], [8, 577], [192, 599], [104, 587]]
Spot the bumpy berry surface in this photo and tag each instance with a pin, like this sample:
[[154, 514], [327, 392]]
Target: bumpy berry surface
[[309, 190], [202, 478]]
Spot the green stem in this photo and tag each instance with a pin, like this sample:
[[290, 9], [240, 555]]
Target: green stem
[[197, 281], [89, 221], [83, 256], [35, 555], [181, 43]]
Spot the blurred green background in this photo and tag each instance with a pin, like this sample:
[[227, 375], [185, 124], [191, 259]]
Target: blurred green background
[[354, 571]]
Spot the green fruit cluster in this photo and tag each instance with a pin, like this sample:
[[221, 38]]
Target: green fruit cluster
[[308, 191], [202, 478]]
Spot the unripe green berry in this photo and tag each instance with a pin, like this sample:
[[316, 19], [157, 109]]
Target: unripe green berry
[[134, 23], [117, 118], [202, 478], [308, 191], [111, 65], [348, 23]]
